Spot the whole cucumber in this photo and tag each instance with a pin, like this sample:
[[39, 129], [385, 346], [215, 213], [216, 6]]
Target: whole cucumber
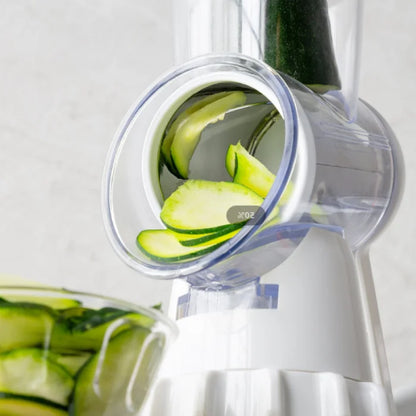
[[299, 42]]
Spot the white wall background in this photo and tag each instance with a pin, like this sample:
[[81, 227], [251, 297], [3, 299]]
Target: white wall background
[[69, 70]]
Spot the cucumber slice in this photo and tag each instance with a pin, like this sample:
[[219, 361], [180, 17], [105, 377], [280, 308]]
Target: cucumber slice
[[187, 239], [200, 206], [30, 372], [253, 174], [116, 381], [172, 129], [230, 159], [299, 42], [71, 362], [250, 172], [188, 133], [163, 245], [213, 238], [24, 325], [16, 405], [84, 329]]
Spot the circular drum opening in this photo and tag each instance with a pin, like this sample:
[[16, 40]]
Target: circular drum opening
[[199, 111]]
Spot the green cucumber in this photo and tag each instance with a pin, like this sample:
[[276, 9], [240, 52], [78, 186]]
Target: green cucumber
[[202, 239], [29, 371], [253, 174], [17, 405], [71, 362], [163, 245], [24, 325], [188, 133], [299, 42], [180, 119], [116, 381], [250, 172], [84, 329], [200, 206], [187, 239]]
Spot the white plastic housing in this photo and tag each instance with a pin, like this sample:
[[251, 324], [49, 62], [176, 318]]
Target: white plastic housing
[[318, 353]]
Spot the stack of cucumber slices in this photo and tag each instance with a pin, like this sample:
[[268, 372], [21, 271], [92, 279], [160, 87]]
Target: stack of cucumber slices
[[195, 214], [59, 358]]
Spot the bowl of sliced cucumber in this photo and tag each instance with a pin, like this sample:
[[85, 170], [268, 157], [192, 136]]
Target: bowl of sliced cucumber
[[67, 353]]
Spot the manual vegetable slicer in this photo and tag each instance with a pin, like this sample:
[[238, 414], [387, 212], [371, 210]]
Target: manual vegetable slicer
[[281, 319]]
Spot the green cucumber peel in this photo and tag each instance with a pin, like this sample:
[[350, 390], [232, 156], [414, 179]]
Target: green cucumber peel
[[299, 42], [163, 245], [212, 238]]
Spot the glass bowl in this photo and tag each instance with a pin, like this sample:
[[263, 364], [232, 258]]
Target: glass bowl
[[65, 352]]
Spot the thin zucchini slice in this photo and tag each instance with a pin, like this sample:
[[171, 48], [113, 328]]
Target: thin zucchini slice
[[24, 325], [84, 329], [30, 372], [17, 405], [213, 238], [188, 133], [230, 159], [171, 131], [250, 172], [163, 245], [200, 206], [187, 239], [71, 362], [115, 381]]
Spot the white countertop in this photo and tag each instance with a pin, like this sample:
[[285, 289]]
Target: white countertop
[[68, 73]]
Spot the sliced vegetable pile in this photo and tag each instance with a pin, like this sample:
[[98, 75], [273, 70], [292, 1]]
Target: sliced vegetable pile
[[72, 360], [196, 213], [184, 134]]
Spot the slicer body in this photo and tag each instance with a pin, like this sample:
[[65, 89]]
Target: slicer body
[[281, 319]]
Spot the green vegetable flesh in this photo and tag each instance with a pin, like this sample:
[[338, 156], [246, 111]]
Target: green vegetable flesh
[[201, 240], [116, 382], [84, 329], [200, 206], [49, 356], [164, 245], [180, 119], [71, 362], [188, 133], [30, 372], [24, 325], [299, 42], [16, 405], [250, 172], [193, 239]]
